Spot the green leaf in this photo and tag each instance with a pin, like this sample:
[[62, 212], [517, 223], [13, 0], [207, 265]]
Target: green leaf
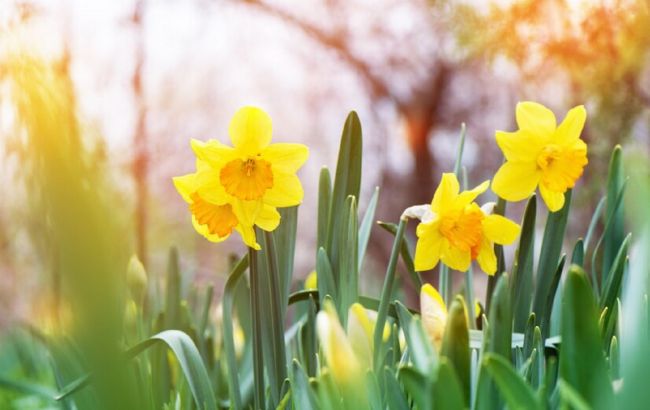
[[347, 182], [578, 254], [422, 355], [571, 398], [324, 203], [548, 259], [614, 281], [594, 221], [303, 396], [582, 362], [387, 293], [31, 389], [285, 239], [394, 395], [551, 297], [366, 226], [348, 273], [190, 361], [615, 185], [448, 389], [406, 255], [256, 292], [499, 209], [417, 386], [498, 340], [522, 273], [455, 345], [513, 388], [227, 329], [326, 284]]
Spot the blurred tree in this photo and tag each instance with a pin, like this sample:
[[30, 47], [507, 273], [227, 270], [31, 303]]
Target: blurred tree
[[598, 48]]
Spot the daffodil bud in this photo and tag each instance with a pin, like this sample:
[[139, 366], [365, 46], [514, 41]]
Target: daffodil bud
[[136, 278], [337, 350], [434, 314], [311, 282]]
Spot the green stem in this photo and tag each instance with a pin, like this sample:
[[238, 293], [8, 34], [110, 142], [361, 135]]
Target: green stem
[[469, 294], [280, 361], [258, 357], [443, 283], [387, 292]]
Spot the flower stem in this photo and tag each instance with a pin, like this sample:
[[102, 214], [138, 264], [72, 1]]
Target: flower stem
[[258, 358], [386, 293]]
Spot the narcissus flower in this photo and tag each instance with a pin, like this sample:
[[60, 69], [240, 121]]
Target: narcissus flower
[[434, 313], [455, 230], [541, 154], [237, 188]]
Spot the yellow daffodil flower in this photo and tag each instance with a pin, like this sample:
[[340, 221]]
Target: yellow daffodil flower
[[541, 154], [237, 188], [455, 230], [434, 314]]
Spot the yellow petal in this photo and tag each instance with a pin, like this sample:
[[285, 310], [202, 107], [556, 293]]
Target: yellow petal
[[486, 258], [572, 125], [446, 193], [466, 197], [433, 312], [246, 211], [268, 218], [520, 145], [535, 118], [248, 236], [286, 191], [287, 158], [554, 200], [455, 258], [515, 181], [213, 152], [427, 249], [250, 130], [186, 186], [500, 229], [209, 188]]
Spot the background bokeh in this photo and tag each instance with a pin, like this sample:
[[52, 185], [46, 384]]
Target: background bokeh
[[142, 77]]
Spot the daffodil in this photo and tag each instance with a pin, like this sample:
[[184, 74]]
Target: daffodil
[[239, 187], [434, 313], [455, 230], [541, 154]]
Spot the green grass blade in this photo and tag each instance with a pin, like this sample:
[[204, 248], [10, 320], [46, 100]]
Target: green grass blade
[[366, 226], [594, 221]]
